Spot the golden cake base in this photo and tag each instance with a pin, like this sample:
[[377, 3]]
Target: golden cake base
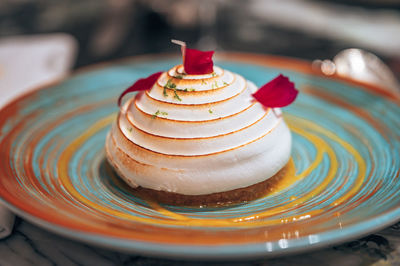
[[236, 196]]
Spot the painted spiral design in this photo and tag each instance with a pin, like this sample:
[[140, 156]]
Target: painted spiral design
[[343, 178]]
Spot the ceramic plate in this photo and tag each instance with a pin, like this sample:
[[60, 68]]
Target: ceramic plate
[[345, 155]]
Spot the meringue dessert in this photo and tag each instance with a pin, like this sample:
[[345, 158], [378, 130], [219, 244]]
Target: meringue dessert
[[199, 139]]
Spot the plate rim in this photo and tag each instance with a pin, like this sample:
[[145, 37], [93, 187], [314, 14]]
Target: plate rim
[[208, 252], [254, 250]]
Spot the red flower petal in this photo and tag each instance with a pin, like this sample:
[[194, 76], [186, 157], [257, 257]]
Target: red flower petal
[[141, 85], [279, 92], [198, 62]]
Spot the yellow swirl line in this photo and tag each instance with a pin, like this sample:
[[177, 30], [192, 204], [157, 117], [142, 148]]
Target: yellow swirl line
[[347, 146], [322, 147], [297, 125]]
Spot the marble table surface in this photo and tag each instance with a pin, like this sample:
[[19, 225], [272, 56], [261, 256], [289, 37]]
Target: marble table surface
[[31, 245]]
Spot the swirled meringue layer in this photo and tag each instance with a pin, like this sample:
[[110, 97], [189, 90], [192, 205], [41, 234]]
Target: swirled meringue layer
[[198, 134]]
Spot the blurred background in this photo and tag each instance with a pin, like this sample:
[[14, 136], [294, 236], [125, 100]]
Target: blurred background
[[32, 52], [309, 29]]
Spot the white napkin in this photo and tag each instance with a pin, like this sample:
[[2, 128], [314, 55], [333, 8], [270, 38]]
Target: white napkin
[[27, 62]]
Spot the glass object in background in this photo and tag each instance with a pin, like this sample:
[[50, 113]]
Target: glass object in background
[[360, 65]]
